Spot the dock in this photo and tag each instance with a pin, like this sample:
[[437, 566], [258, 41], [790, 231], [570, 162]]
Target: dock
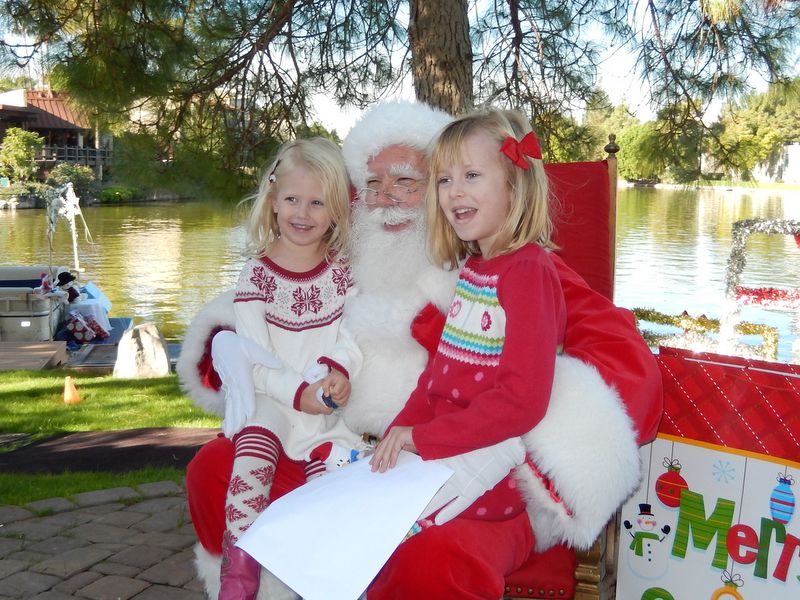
[[32, 356], [100, 358], [97, 356]]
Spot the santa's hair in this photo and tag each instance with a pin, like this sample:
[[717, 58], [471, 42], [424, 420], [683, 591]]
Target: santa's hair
[[412, 124]]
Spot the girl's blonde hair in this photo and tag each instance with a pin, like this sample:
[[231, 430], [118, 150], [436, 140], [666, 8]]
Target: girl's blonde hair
[[324, 159], [528, 216]]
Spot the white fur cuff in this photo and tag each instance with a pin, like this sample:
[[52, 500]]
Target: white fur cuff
[[586, 447], [217, 313]]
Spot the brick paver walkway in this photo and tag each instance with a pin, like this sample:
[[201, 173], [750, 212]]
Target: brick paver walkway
[[118, 544]]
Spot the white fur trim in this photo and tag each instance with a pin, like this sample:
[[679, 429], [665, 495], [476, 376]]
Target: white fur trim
[[208, 565], [438, 286], [217, 313], [411, 124], [586, 446]]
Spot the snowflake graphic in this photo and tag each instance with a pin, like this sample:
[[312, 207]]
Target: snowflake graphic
[[265, 283], [258, 503], [343, 280], [305, 301], [233, 514], [723, 471], [238, 485], [264, 474]]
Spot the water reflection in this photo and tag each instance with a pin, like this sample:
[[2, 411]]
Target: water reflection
[[163, 262], [673, 247]]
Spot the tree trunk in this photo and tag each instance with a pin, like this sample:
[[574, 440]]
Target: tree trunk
[[441, 54]]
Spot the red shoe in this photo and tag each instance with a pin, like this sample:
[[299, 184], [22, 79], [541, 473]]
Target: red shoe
[[239, 573]]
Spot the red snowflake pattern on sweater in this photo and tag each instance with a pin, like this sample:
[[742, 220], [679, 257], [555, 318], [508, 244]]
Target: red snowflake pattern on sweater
[[238, 486], [343, 279], [306, 300], [233, 514], [257, 503], [265, 475], [265, 283]]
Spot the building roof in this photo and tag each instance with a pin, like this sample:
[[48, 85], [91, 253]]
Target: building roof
[[15, 113], [51, 111], [41, 110]]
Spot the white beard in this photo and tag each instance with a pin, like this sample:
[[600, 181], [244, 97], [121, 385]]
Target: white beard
[[394, 280], [388, 261]]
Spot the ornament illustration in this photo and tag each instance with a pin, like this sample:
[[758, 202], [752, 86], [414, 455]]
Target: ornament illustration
[[730, 589], [781, 501], [669, 485]]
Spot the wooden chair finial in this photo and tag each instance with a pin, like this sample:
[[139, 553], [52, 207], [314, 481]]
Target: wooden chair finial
[[611, 147]]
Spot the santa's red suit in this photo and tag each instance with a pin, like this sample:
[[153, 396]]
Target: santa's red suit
[[606, 400]]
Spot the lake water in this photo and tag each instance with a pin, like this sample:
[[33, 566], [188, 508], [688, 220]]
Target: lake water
[[162, 262]]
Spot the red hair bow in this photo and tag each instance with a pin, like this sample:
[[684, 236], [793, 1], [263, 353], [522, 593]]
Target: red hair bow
[[518, 150]]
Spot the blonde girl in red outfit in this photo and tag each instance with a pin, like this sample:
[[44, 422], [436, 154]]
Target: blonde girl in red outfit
[[491, 377]]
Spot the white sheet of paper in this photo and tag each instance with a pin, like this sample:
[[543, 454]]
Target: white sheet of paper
[[329, 538]]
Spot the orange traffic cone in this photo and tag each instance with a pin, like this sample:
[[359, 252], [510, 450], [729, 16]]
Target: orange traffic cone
[[70, 392]]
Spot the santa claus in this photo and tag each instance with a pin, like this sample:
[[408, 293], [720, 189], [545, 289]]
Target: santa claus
[[578, 465]]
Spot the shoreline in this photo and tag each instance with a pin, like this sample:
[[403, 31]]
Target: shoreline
[[790, 189]]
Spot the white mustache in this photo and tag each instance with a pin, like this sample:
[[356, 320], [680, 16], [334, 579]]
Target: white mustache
[[392, 215]]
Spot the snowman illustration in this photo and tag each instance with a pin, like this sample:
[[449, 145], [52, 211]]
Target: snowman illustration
[[648, 557]]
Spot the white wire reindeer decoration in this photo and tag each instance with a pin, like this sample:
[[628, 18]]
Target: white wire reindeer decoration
[[63, 202]]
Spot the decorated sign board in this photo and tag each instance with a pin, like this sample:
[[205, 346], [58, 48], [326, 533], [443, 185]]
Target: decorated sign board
[[716, 514]]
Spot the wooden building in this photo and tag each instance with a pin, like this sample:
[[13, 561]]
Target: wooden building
[[68, 134]]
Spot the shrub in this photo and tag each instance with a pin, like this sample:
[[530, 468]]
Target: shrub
[[82, 178], [18, 153], [117, 193]]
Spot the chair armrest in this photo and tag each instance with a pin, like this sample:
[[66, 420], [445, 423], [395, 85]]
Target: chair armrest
[[596, 571]]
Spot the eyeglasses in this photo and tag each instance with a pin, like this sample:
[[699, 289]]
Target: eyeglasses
[[396, 193]]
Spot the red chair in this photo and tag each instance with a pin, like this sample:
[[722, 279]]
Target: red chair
[[586, 194]]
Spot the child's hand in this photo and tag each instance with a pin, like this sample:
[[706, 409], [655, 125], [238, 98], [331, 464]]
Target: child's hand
[[385, 456], [309, 403], [337, 386]]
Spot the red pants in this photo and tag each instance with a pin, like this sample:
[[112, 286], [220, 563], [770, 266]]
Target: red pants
[[207, 478], [463, 559]]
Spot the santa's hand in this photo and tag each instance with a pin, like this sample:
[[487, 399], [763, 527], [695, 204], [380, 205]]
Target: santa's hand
[[233, 358], [475, 473]]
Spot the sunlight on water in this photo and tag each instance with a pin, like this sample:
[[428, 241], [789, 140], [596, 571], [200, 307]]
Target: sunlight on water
[[162, 262]]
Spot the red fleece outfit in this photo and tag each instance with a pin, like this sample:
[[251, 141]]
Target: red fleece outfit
[[468, 556], [491, 377]]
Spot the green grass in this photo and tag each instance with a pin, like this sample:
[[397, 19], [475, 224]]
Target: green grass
[[32, 402], [19, 489]]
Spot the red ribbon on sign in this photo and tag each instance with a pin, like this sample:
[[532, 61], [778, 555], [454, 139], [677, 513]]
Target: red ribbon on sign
[[518, 150]]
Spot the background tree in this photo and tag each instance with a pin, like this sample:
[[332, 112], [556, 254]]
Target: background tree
[[639, 155], [755, 130], [247, 70], [16, 82], [18, 154]]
